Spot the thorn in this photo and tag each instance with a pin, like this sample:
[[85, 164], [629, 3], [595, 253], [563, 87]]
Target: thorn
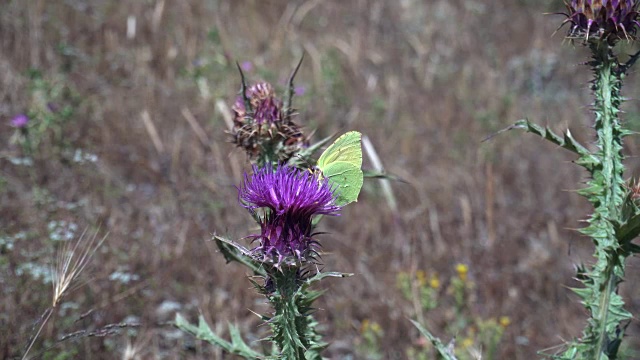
[[243, 90], [291, 90], [499, 132]]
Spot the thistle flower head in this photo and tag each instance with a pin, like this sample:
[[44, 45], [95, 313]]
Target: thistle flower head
[[603, 19], [291, 198], [266, 108]]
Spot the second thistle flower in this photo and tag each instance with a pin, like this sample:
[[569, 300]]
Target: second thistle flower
[[262, 127], [602, 19], [291, 198]]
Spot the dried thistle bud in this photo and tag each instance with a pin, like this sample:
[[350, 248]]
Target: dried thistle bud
[[609, 20], [266, 108], [264, 126]]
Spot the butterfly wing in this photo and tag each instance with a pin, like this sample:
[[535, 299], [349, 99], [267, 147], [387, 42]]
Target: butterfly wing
[[341, 163], [346, 148], [348, 177]]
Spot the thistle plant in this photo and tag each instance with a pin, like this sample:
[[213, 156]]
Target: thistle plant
[[286, 198], [600, 25], [615, 222]]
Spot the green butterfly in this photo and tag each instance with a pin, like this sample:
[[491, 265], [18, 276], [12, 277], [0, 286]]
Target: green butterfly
[[341, 163]]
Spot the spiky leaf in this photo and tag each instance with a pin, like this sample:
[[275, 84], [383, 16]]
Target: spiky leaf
[[203, 332], [445, 351]]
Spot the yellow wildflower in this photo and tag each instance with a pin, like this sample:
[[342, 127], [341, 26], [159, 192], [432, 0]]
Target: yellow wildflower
[[434, 282], [376, 328], [462, 271], [504, 321], [422, 277]]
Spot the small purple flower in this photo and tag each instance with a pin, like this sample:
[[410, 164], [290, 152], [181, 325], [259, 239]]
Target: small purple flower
[[20, 121], [300, 90], [246, 65], [292, 197]]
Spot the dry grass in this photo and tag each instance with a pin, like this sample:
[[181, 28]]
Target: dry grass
[[425, 80]]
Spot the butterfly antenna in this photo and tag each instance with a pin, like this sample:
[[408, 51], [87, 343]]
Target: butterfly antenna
[[289, 99], [243, 91]]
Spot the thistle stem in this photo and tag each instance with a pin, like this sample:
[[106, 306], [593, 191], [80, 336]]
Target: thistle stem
[[606, 88], [293, 326], [606, 193]]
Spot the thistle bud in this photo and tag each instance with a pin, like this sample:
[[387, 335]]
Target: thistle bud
[[264, 126]]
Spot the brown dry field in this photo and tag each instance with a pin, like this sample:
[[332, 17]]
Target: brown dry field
[[425, 80]]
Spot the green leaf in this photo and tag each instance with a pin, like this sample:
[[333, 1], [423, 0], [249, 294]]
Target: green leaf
[[445, 351], [587, 159], [629, 230], [236, 252], [203, 332], [374, 174]]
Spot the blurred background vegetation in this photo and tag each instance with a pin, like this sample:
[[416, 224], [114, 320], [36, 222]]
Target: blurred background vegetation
[[127, 103]]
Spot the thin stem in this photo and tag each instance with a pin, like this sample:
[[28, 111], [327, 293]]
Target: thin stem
[[44, 318]]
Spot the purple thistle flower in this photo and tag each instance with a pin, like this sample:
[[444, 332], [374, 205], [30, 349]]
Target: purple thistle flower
[[20, 121], [605, 19], [292, 197]]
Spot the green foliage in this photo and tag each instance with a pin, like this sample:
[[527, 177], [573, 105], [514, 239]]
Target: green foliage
[[446, 352], [288, 289], [234, 252], [203, 332], [426, 286], [371, 333], [567, 141], [478, 336], [52, 106]]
